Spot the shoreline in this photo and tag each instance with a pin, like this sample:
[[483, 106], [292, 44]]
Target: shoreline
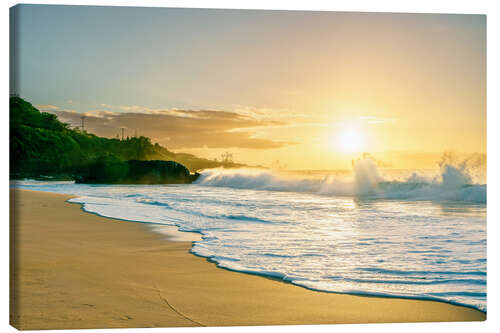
[[416, 298], [66, 259], [172, 233]]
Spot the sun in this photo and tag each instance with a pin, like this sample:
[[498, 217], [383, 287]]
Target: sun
[[349, 140]]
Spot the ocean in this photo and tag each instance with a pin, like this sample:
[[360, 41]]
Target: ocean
[[370, 232]]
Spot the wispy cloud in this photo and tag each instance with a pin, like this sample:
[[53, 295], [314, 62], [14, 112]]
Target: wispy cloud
[[46, 107], [269, 113], [127, 108]]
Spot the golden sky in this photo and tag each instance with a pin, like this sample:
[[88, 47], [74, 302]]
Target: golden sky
[[311, 90]]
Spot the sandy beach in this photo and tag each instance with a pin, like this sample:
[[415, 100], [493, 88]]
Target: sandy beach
[[71, 269]]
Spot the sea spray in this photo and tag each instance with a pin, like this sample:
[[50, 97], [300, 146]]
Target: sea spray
[[366, 177], [455, 182]]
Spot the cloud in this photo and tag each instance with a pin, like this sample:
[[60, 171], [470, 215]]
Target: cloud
[[128, 108], [270, 113], [46, 107], [177, 129]]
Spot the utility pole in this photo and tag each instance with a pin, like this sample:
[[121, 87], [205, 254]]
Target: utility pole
[[227, 158], [83, 123]]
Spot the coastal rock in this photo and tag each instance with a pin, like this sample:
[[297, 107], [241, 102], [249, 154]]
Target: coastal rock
[[109, 170]]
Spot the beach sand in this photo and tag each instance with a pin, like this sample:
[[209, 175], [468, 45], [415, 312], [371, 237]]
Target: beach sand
[[71, 269]]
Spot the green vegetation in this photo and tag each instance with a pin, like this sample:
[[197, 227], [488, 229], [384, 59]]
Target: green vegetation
[[42, 146]]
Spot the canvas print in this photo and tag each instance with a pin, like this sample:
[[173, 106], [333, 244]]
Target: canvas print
[[216, 167]]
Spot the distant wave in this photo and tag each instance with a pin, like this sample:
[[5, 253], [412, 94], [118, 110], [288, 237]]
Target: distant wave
[[454, 183], [151, 202]]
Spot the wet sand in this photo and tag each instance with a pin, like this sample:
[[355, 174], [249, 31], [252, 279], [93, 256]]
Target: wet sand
[[71, 269]]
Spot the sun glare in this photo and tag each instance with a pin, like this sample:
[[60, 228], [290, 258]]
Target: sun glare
[[350, 140]]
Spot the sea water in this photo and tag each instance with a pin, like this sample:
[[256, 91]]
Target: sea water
[[414, 235]]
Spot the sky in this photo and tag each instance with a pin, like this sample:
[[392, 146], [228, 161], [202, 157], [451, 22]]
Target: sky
[[301, 90]]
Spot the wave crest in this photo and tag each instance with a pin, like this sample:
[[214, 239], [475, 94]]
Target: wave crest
[[453, 183]]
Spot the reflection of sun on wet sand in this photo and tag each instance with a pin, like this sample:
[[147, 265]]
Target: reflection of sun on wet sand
[[71, 269]]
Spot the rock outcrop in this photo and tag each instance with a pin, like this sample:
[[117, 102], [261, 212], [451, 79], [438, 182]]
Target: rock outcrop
[[113, 171]]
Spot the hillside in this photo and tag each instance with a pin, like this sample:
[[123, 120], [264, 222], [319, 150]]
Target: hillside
[[42, 146]]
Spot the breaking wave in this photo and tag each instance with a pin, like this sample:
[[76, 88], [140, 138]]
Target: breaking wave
[[454, 182]]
